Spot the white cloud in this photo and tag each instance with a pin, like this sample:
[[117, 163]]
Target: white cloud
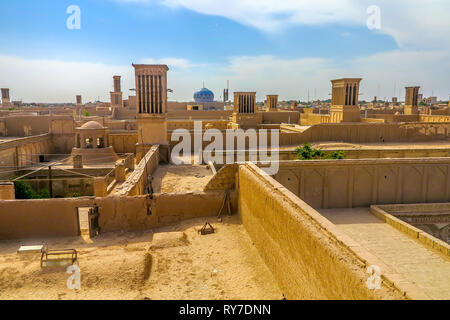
[[420, 28], [410, 22]]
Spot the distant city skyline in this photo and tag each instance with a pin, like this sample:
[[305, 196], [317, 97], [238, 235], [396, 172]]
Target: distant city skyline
[[271, 47]]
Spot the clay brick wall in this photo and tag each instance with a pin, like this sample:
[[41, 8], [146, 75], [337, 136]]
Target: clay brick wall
[[367, 132], [363, 182], [21, 219], [138, 179], [123, 142], [224, 179], [308, 256]]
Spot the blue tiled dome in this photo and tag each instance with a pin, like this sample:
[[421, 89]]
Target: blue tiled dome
[[204, 95]]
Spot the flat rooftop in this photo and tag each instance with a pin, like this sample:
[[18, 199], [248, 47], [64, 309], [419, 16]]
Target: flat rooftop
[[427, 269], [333, 145], [444, 144]]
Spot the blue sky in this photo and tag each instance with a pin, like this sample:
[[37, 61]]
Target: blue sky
[[288, 47]]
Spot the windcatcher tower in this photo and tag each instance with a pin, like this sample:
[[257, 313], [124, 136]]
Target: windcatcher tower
[[151, 99], [116, 95], [244, 115], [411, 100], [345, 100], [226, 92], [6, 101], [79, 100], [271, 102]]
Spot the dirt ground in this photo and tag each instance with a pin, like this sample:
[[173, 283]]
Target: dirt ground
[[181, 178], [167, 263]]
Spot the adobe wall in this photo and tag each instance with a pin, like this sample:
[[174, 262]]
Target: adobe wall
[[36, 125], [199, 114], [141, 212], [444, 111], [95, 111], [7, 191], [378, 111], [277, 117], [21, 219], [124, 113], [367, 132], [62, 125], [308, 256], [435, 118], [224, 179], [397, 117], [174, 106], [123, 142], [39, 218], [3, 131], [22, 152], [310, 119], [361, 183], [189, 124], [377, 153], [137, 181], [285, 139], [15, 125], [372, 120], [357, 132], [8, 158]]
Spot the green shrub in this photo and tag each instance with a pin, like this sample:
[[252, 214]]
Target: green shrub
[[42, 194], [336, 155], [306, 152], [23, 190], [73, 195]]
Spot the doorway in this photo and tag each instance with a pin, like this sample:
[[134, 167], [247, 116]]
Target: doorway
[[88, 225]]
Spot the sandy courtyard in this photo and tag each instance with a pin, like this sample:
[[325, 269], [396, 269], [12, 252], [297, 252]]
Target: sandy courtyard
[[181, 178], [154, 264]]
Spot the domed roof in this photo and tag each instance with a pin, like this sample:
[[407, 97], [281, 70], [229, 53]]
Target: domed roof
[[204, 95], [92, 125]]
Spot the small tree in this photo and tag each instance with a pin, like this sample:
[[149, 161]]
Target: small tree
[[305, 152], [23, 190], [85, 113]]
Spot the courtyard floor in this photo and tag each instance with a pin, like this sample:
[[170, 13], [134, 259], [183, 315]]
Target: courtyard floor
[[181, 178], [167, 263], [430, 271]]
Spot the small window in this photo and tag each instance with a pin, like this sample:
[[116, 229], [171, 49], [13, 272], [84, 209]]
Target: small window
[[89, 144], [100, 143]]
